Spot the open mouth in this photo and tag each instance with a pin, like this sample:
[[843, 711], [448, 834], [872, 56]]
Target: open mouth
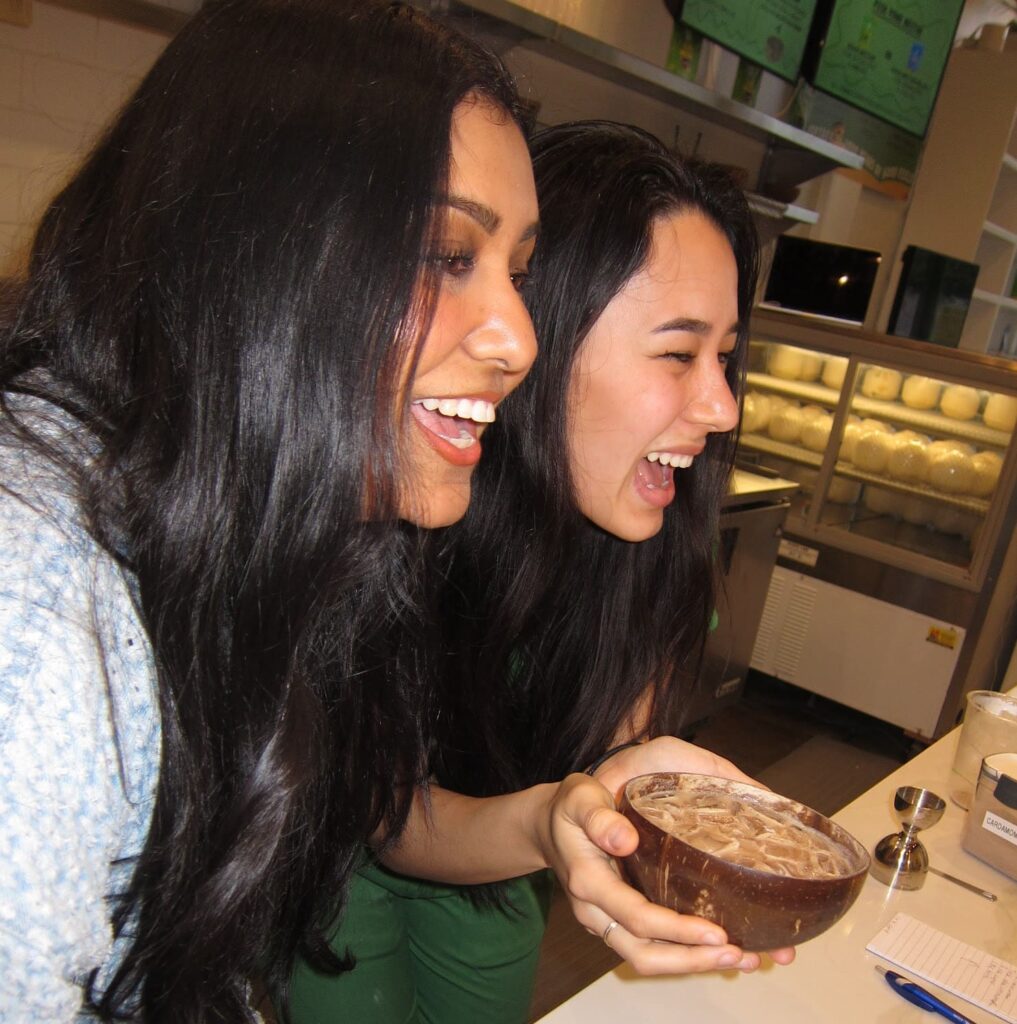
[[655, 475], [451, 425]]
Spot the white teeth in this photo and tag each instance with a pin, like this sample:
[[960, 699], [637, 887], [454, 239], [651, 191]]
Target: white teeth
[[461, 442], [670, 459], [464, 408]]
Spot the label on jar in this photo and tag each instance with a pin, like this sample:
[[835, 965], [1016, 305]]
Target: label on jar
[[1000, 826]]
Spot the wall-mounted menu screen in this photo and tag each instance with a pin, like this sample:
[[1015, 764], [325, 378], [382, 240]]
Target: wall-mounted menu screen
[[885, 57], [770, 33]]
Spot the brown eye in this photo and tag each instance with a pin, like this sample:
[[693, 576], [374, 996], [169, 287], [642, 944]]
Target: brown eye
[[520, 279], [455, 264]]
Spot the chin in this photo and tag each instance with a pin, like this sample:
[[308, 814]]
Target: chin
[[632, 530], [442, 507]]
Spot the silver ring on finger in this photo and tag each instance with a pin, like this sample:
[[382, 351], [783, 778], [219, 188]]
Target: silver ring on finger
[[606, 934]]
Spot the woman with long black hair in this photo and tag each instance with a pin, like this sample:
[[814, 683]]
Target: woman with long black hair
[[580, 585], [262, 329]]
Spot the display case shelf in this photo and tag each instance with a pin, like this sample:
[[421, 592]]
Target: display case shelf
[[804, 457], [976, 506], [781, 450], [932, 422], [803, 390], [890, 412]]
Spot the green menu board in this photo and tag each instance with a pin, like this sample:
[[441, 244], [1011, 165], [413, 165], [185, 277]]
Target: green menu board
[[887, 56], [771, 33]]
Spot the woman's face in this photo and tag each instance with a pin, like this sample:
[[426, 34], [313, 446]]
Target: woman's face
[[481, 341], [648, 385]]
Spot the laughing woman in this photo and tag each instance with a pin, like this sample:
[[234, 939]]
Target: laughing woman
[[580, 584], [217, 389]]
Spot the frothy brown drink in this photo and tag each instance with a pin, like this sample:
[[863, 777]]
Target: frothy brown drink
[[742, 832]]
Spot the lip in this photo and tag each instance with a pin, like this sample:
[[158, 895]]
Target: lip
[[465, 457], [678, 449], [656, 497]]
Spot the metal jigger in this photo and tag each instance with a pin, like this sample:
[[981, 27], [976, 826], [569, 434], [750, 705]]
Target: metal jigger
[[900, 860]]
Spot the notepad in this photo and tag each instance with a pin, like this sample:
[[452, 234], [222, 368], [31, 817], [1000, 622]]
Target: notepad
[[933, 955]]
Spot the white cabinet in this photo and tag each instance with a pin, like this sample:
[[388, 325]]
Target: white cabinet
[[819, 636]]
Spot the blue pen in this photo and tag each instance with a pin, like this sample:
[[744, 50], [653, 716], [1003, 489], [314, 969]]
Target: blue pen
[[920, 997]]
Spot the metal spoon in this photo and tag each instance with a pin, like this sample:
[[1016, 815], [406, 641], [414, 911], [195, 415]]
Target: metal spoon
[[964, 885]]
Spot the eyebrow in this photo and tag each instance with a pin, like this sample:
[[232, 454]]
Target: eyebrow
[[691, 325], [485, 216]]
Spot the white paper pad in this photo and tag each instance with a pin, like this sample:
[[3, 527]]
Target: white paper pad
[[968, 972]]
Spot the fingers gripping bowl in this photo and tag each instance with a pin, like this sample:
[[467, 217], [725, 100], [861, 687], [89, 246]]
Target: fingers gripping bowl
[[770, 871]]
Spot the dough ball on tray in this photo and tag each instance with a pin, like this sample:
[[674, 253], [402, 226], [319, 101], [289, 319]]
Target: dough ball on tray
[[921, 392], [950, 470], [986, 468], [909, 457], [959, 402], [872, 449], [834, 370], [1000, 412], [755, 412], [881, 501], [816, 432], [812, 366], [786, 424], [843, 491], [881, 382]]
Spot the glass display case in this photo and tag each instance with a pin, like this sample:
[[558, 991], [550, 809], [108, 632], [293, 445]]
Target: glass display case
[[903, 452]]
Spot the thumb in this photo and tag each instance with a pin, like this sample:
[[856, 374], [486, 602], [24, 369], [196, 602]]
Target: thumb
[[611, 831]]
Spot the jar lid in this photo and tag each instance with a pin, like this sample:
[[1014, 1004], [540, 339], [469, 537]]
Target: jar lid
[[1000, 770]]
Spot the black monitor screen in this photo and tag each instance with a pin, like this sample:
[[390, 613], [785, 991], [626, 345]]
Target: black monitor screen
[[770, 33], [885, 57], [821, 278], [932, 297]]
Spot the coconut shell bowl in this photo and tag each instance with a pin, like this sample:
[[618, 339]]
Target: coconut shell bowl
[[769, 870]]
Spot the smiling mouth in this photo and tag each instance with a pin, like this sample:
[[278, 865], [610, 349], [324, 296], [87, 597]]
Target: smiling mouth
[[450, 424], [655, 474]]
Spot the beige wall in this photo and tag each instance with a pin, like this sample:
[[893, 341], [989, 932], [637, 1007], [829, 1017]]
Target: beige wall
[[60, 80]]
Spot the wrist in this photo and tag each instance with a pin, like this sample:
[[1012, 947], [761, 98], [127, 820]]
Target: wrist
[[538, 813]]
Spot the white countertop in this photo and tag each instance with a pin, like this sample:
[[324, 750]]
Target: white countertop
[[833, 978]]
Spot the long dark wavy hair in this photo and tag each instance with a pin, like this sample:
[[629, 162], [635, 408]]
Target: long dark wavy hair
[[555, 627], [226, 296]]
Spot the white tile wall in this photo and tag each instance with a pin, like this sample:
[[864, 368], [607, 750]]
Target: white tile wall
[[61, 79]]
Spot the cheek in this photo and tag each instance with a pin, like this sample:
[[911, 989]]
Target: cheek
[[443, 337]]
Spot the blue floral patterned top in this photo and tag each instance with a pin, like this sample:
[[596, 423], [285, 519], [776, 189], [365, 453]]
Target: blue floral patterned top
[[79, 737]]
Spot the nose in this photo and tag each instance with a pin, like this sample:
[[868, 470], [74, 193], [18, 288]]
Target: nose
[[713, 405], [504, 331]]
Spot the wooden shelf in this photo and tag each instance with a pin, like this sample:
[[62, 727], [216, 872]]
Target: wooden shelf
[[793, 155], [1000, 232], [1003, 301]]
